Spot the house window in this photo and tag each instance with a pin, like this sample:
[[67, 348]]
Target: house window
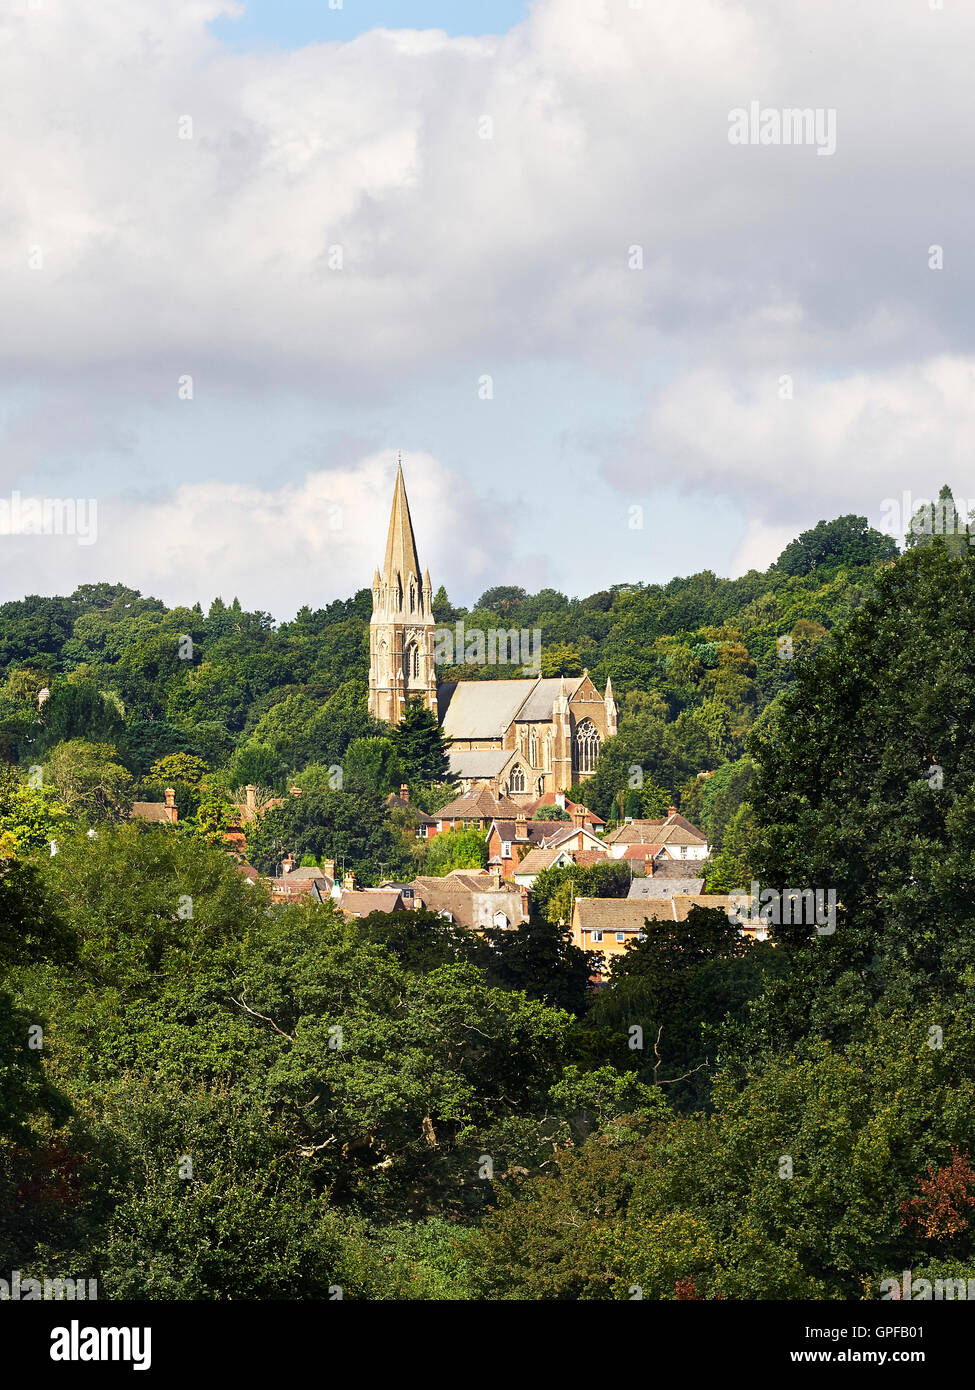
[[596, 935], [620, 937], [585, 747], [516, 782]]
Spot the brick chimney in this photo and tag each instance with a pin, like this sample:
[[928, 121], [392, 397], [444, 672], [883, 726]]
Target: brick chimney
[[671, 812], [328, 868], [404, 791], [348, 883], [578, 817], [521, 820], [287, 864], [496, 877], [171, 812], [250, 800]]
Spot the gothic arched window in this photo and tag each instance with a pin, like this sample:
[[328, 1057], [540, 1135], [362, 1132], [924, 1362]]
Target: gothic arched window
[[516, 782], [412, 597], [412, 663], [533, 749], [585, 747]]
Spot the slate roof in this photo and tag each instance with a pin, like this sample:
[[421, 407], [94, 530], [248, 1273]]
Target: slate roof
[[482, 763], [528, 831], [481, 709], [665, 885]]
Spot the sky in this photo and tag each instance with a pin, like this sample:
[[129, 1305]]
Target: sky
[[558, 254]]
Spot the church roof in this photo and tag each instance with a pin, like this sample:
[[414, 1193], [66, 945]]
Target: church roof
[[485, 709], [400, 543], [482, 763], [481, 709], [539, 704]]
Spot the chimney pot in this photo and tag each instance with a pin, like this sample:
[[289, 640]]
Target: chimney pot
[[404, 791], [671, 811], [348, 883], [170, 796], [287, 864]]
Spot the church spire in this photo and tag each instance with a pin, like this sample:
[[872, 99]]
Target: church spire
[[401, 556]]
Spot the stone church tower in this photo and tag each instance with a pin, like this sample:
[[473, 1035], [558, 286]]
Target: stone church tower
[[401, 629]]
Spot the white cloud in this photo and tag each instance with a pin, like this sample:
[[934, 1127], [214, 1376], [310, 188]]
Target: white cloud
[[609, 129], [835, 447], [275, 548]]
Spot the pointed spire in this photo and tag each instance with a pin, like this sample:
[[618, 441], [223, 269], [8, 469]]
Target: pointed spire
[[609, 689], [401, 556]]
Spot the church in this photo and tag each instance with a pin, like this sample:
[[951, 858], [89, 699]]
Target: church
[[523, 738]]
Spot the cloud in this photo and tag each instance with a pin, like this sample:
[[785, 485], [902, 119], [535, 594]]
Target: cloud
[[275, 549], [833, 447], [608, 129]]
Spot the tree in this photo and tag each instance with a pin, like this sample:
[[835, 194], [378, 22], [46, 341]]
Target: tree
[[76, 710], [421, 745], [89, 779], [846, 541], [941, 520], [455, 849], [373, 763], [865, 789], [351, 825]]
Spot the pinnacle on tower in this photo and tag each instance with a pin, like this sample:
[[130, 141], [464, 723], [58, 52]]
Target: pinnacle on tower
[[401, 556]]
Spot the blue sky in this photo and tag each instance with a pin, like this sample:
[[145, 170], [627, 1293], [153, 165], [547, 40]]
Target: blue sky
[[292, 23]]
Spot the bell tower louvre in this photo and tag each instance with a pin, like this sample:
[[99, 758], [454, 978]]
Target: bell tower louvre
[[401, 629]]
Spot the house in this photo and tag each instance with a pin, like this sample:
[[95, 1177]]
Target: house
[[359, 902], [571, 808], [510, 840], [292, 883], [424, 826], [475, 808], [608, 925], [477, 899], [158, 812], [542, 734], [665, 878], [645, 839], [537, 860]]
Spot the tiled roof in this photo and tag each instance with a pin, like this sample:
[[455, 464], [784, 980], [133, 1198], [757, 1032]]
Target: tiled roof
[[479, 803], [676, 831], [150, 810], [399, 803], [629, 914], [455, 893], [360, 902]]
